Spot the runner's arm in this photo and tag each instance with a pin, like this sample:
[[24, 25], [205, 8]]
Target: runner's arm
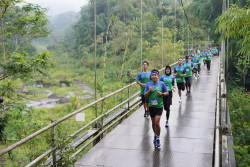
[[147, 90], [192, 66], [164, 90], [184, 73], [174, 72], [138, 80]]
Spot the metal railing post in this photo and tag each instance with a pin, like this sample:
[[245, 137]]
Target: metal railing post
[[128, 100], [128, 97], [53, 130], [102, 114], [96, 125]]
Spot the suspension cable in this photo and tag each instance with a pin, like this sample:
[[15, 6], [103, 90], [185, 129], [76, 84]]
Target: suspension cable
[[95, 55], [189, 27], [174, 30], [141, 32], [162, 35], [183, 35], [187, 19], [227, 58], [188, 42]]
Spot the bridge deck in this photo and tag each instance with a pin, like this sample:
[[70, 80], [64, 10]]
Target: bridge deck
[[187, 142]]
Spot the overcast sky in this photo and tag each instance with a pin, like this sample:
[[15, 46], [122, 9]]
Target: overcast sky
[[59, 6]]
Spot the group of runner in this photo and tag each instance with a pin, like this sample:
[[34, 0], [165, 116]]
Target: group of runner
[[156, 90]]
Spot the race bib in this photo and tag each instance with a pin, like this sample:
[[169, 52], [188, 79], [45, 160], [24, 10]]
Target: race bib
[[178, 79], [154, 102], [187, 70]]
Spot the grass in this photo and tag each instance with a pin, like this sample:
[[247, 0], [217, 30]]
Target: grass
[[63, 91]]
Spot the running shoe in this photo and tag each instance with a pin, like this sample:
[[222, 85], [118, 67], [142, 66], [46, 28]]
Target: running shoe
[[198, 75], [147, 113], [157, 144], [166, 125], [155, 139], [180, 100], [196, 78]]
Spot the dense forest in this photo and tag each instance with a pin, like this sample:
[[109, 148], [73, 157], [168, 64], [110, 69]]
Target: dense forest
[[40, 54]]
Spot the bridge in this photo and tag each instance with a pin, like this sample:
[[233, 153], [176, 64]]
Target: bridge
[[189, 141], [199, 132]]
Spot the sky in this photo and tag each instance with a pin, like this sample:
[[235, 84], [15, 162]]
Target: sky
[[59, 6]]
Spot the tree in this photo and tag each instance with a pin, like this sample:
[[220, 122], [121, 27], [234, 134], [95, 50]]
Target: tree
[[19, 26]]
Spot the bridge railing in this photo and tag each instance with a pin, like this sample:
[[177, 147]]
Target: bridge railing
[[91, 132], [223, 152]]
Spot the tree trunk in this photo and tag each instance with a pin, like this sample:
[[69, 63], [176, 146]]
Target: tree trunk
[[2, 38]]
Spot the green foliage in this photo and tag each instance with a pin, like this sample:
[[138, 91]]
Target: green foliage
[[239, 25], [26, 67], [19, 24], [74, 102], [240, 122], [21, 122], [242, 67]]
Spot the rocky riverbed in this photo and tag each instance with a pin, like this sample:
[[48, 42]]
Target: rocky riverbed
[[53, 100]]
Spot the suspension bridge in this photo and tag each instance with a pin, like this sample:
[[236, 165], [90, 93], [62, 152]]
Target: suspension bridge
[[197, 136], [189, 141], [199, 132]]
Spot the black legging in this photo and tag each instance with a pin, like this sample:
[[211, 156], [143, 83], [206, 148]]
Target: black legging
[[167, 101], [208, 64], [168, 112]]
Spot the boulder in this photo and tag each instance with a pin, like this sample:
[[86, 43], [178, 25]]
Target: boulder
[[53, 96], [63, 85], [64, 100]]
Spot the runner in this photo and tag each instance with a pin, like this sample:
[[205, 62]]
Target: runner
[[156, 90], [180, 73], [214, 51], [192, 54], [168, 80], [204, 58], [196, 62], [209, 58], [142, 79], [188, 78], [199, 56]]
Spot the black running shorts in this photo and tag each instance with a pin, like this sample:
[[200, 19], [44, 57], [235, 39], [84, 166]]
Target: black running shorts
[[188, 81], [181, 86], [195, 70], [155, 111], [144, 99]]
